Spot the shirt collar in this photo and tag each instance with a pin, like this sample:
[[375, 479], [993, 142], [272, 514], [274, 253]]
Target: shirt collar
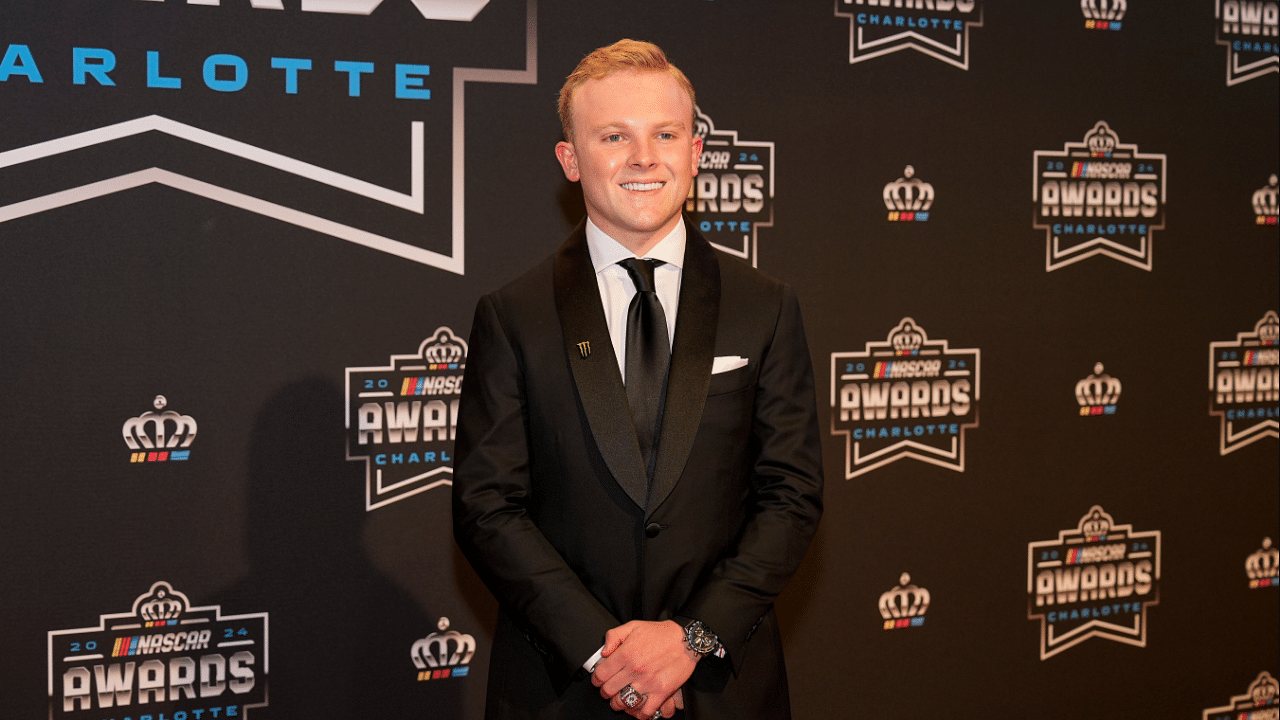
[[606, 251]]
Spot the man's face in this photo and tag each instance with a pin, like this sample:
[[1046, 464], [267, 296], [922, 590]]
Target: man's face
[[634, 151]]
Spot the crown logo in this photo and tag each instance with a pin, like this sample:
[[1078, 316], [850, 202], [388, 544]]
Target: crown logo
[[444, 348], [1264, 563], [906, 339], [1263, 691], [434, 650], [162, 603], [1103, 10], [1268, 328], [1096, 523], [1098, 389], [908, 192], [1101, 141], [904, 600], [136, 434], [1265, 200]]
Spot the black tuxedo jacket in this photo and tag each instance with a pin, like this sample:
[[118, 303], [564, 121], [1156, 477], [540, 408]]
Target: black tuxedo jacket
[[552, 507]]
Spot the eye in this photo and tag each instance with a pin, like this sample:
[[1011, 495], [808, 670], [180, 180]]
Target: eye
[[613, 137], [666, 136]]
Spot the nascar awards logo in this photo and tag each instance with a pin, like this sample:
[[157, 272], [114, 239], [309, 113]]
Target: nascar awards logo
[[937, 28], [1244, 385], [1098, 197], [1260, 702], [159, 436], [1248, 28], [906, 397], [1103, 14], [402, 419], [905, 605], [908, 198], [1263, 567], [732, 196], [1265, 205], [443, 654], [1098, 393], [1096, 580], [164, 658]]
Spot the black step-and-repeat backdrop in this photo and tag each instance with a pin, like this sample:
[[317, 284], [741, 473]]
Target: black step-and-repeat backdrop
[[1036, 245]]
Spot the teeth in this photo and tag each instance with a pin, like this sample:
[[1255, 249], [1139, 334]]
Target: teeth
[[642, 186]]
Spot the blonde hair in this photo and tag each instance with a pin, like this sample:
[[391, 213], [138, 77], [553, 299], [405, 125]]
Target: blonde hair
[[603, 62]]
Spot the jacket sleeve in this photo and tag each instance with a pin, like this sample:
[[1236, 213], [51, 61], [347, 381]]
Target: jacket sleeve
[[787, 492], [491, 488]]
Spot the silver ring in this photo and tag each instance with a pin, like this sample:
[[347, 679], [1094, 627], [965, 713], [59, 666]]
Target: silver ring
[[656, 714], [629, 697]]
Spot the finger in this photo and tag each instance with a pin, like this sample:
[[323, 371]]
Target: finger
[[614, 685], [607, 668], [618, 704], [641, 711], [604, 670], [614, 637], [679, 698], [612, 640], [652, 704], [664, 709]]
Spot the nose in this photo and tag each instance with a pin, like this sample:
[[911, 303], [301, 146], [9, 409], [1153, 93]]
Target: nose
[[644, 153]]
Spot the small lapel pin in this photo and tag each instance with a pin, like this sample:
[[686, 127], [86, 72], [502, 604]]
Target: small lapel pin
[[584, 347]]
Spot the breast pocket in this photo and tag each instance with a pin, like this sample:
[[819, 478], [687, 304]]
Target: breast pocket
[[730, 381]]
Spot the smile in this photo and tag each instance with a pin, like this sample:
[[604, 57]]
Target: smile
[[642, 186]]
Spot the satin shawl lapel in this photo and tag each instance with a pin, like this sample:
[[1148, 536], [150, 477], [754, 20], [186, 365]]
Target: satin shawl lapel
[[599, 384], [692, 354]]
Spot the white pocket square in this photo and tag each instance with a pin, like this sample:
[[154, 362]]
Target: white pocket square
[[725, 363]]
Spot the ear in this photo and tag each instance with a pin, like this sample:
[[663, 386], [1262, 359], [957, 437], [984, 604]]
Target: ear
[[568, 160], [697, 153]]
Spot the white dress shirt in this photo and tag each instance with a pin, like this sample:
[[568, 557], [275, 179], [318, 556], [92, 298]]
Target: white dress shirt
[[616, 288]]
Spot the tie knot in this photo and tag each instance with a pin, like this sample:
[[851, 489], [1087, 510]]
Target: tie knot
[[641, 272]]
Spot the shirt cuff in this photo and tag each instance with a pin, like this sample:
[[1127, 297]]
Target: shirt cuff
[[590, 664]]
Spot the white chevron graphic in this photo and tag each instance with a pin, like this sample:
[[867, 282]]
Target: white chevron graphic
[[413, 201]]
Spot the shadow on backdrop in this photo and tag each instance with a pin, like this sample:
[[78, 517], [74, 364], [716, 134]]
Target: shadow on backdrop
[[340, 631]]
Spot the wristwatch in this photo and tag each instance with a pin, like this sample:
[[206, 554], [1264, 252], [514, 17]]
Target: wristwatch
[[700, 639]]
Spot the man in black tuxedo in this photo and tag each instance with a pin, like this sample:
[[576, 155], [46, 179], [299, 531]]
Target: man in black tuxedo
[[638, 471]]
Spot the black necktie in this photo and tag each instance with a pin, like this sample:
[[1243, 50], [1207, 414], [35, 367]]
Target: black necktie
[[648, 356]]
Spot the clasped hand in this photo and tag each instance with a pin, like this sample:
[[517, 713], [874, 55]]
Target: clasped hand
[[653, 659]]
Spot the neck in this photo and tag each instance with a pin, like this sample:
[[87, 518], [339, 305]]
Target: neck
[[640, 243]]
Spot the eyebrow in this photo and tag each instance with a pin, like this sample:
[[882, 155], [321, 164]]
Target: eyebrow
[[669, 125]]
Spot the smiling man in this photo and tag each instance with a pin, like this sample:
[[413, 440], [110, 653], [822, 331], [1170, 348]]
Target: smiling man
[[638, 471]]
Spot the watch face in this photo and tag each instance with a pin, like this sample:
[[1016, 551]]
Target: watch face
[[701, 640]]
